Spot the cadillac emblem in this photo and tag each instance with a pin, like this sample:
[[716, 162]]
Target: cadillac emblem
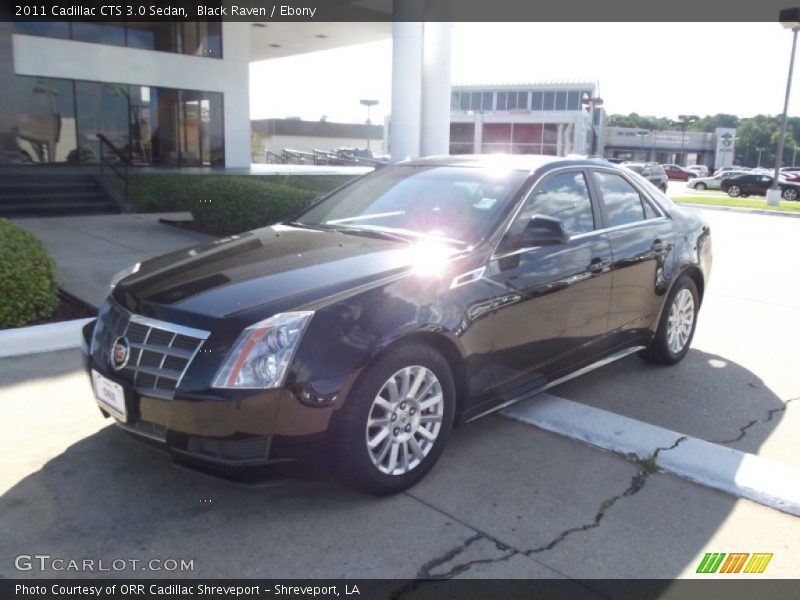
[[120, 352]]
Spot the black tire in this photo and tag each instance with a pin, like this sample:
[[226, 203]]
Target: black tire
[[734, 191], [353, 462], [790, 193], [700, 186], [663, 188], [658, 351]]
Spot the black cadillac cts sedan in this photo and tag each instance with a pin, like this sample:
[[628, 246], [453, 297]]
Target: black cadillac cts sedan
[[409, 301]]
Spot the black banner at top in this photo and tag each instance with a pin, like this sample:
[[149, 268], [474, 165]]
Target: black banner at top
[[395, 10]]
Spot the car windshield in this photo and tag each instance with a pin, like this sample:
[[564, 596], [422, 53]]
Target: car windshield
[[455, 204], [635, 168]]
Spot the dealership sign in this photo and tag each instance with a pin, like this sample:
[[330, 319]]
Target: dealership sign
[[726, 137]]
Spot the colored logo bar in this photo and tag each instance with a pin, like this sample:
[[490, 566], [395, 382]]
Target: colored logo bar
[[734, 562]]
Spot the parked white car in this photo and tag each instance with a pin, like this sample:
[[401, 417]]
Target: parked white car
[[712, 183], [701, 170]]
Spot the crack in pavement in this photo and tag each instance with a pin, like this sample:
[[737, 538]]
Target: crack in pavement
[[743, 430], [645, 468]]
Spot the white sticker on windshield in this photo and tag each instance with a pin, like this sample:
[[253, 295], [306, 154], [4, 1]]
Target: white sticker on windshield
[[486, 203]]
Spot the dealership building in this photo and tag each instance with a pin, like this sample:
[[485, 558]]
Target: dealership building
[[177, 94], [527, 118], [714, 150]]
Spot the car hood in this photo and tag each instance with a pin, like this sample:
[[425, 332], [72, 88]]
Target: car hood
[[280, 265]]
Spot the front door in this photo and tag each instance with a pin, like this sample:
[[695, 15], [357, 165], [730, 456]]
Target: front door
[[551, 302]]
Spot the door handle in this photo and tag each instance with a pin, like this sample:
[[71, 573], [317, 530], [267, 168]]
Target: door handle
[[658, 246], [596, 266]]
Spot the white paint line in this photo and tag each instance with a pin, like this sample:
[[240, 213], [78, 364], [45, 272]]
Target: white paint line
[[41, 338], [741, 474]]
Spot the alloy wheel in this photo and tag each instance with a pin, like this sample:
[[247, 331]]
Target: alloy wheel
[[790, 194], [404, 420], [681, 321], [734, 191]]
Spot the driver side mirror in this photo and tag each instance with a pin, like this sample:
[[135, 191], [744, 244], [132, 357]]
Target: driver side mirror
[[541, 230]]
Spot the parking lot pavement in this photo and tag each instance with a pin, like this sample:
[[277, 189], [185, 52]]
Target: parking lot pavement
[[738, 385], [506, 500]]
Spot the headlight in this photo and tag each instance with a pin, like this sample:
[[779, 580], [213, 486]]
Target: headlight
[[262, 353], [124, 273]]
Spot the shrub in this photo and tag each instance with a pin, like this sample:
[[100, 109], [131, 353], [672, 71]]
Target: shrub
[[224, 206], [28, 289], [178, 191]]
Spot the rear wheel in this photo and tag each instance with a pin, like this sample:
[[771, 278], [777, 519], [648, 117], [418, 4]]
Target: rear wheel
[[790, 193], [676, 326], [396, 420], [734, 191], [699, 186]]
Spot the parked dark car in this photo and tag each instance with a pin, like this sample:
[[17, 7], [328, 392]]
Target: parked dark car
[[756, 184], [414, 299], [653, 172], [679, 173]]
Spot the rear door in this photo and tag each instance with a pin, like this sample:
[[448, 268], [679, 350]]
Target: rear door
[[642, 245], [551, 302]]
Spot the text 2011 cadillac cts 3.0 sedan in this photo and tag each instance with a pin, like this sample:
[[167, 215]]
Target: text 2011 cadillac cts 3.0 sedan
[[413, 299]]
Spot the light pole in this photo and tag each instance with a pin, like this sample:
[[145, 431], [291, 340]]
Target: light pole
[[685, 120], [591, 103], [760, 150], [790, 19], [369, 104]]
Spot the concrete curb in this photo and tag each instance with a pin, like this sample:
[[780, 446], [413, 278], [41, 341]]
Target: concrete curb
[[41, 338], [752, 211], [741, 474]]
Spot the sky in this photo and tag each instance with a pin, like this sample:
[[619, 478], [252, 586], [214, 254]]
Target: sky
[[660, 69]]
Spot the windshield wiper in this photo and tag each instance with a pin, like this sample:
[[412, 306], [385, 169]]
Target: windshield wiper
[[369, 231]]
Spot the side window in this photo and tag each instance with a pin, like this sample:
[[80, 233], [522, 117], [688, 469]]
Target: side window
[[622, 202], [564, 196]]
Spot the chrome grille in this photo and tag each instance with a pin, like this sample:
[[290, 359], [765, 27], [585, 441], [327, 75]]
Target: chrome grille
[[160, 352]]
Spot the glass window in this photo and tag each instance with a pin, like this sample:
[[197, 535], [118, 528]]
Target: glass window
[[201, 38], [522, 100], [153, 36], [475, 102], [464, 98], [37, 120], [103, 110], [551, 133], [561, 100], [549, 101], [573, 101], [99, 33], [496, 133], [53, 29], [649, 211], [454, 101], [527, 133], [537, 100], [622, 202], [487, 101], [564, 196], [502, 100], [512, 101]]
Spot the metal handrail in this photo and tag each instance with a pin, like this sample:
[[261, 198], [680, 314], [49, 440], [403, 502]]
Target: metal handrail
[[123, 173]]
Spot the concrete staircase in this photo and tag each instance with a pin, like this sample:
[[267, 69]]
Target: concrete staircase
[[39, 194]]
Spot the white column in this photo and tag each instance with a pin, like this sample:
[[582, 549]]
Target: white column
[[435, 121], [236, 90], [404, 134], [477, 142]]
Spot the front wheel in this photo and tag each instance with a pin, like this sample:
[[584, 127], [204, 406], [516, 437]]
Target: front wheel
[[700, 186], [790, 194], [396, 420], [734, 191], [676, 326]]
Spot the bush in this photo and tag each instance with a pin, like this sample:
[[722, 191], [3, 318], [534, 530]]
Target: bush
[[226, 206], [28, 289], [177, 191]]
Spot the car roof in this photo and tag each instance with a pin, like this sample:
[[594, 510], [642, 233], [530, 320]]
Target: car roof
[[516, 162]]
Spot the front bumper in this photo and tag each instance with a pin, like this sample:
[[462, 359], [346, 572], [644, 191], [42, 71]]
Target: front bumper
[[236, 434]]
